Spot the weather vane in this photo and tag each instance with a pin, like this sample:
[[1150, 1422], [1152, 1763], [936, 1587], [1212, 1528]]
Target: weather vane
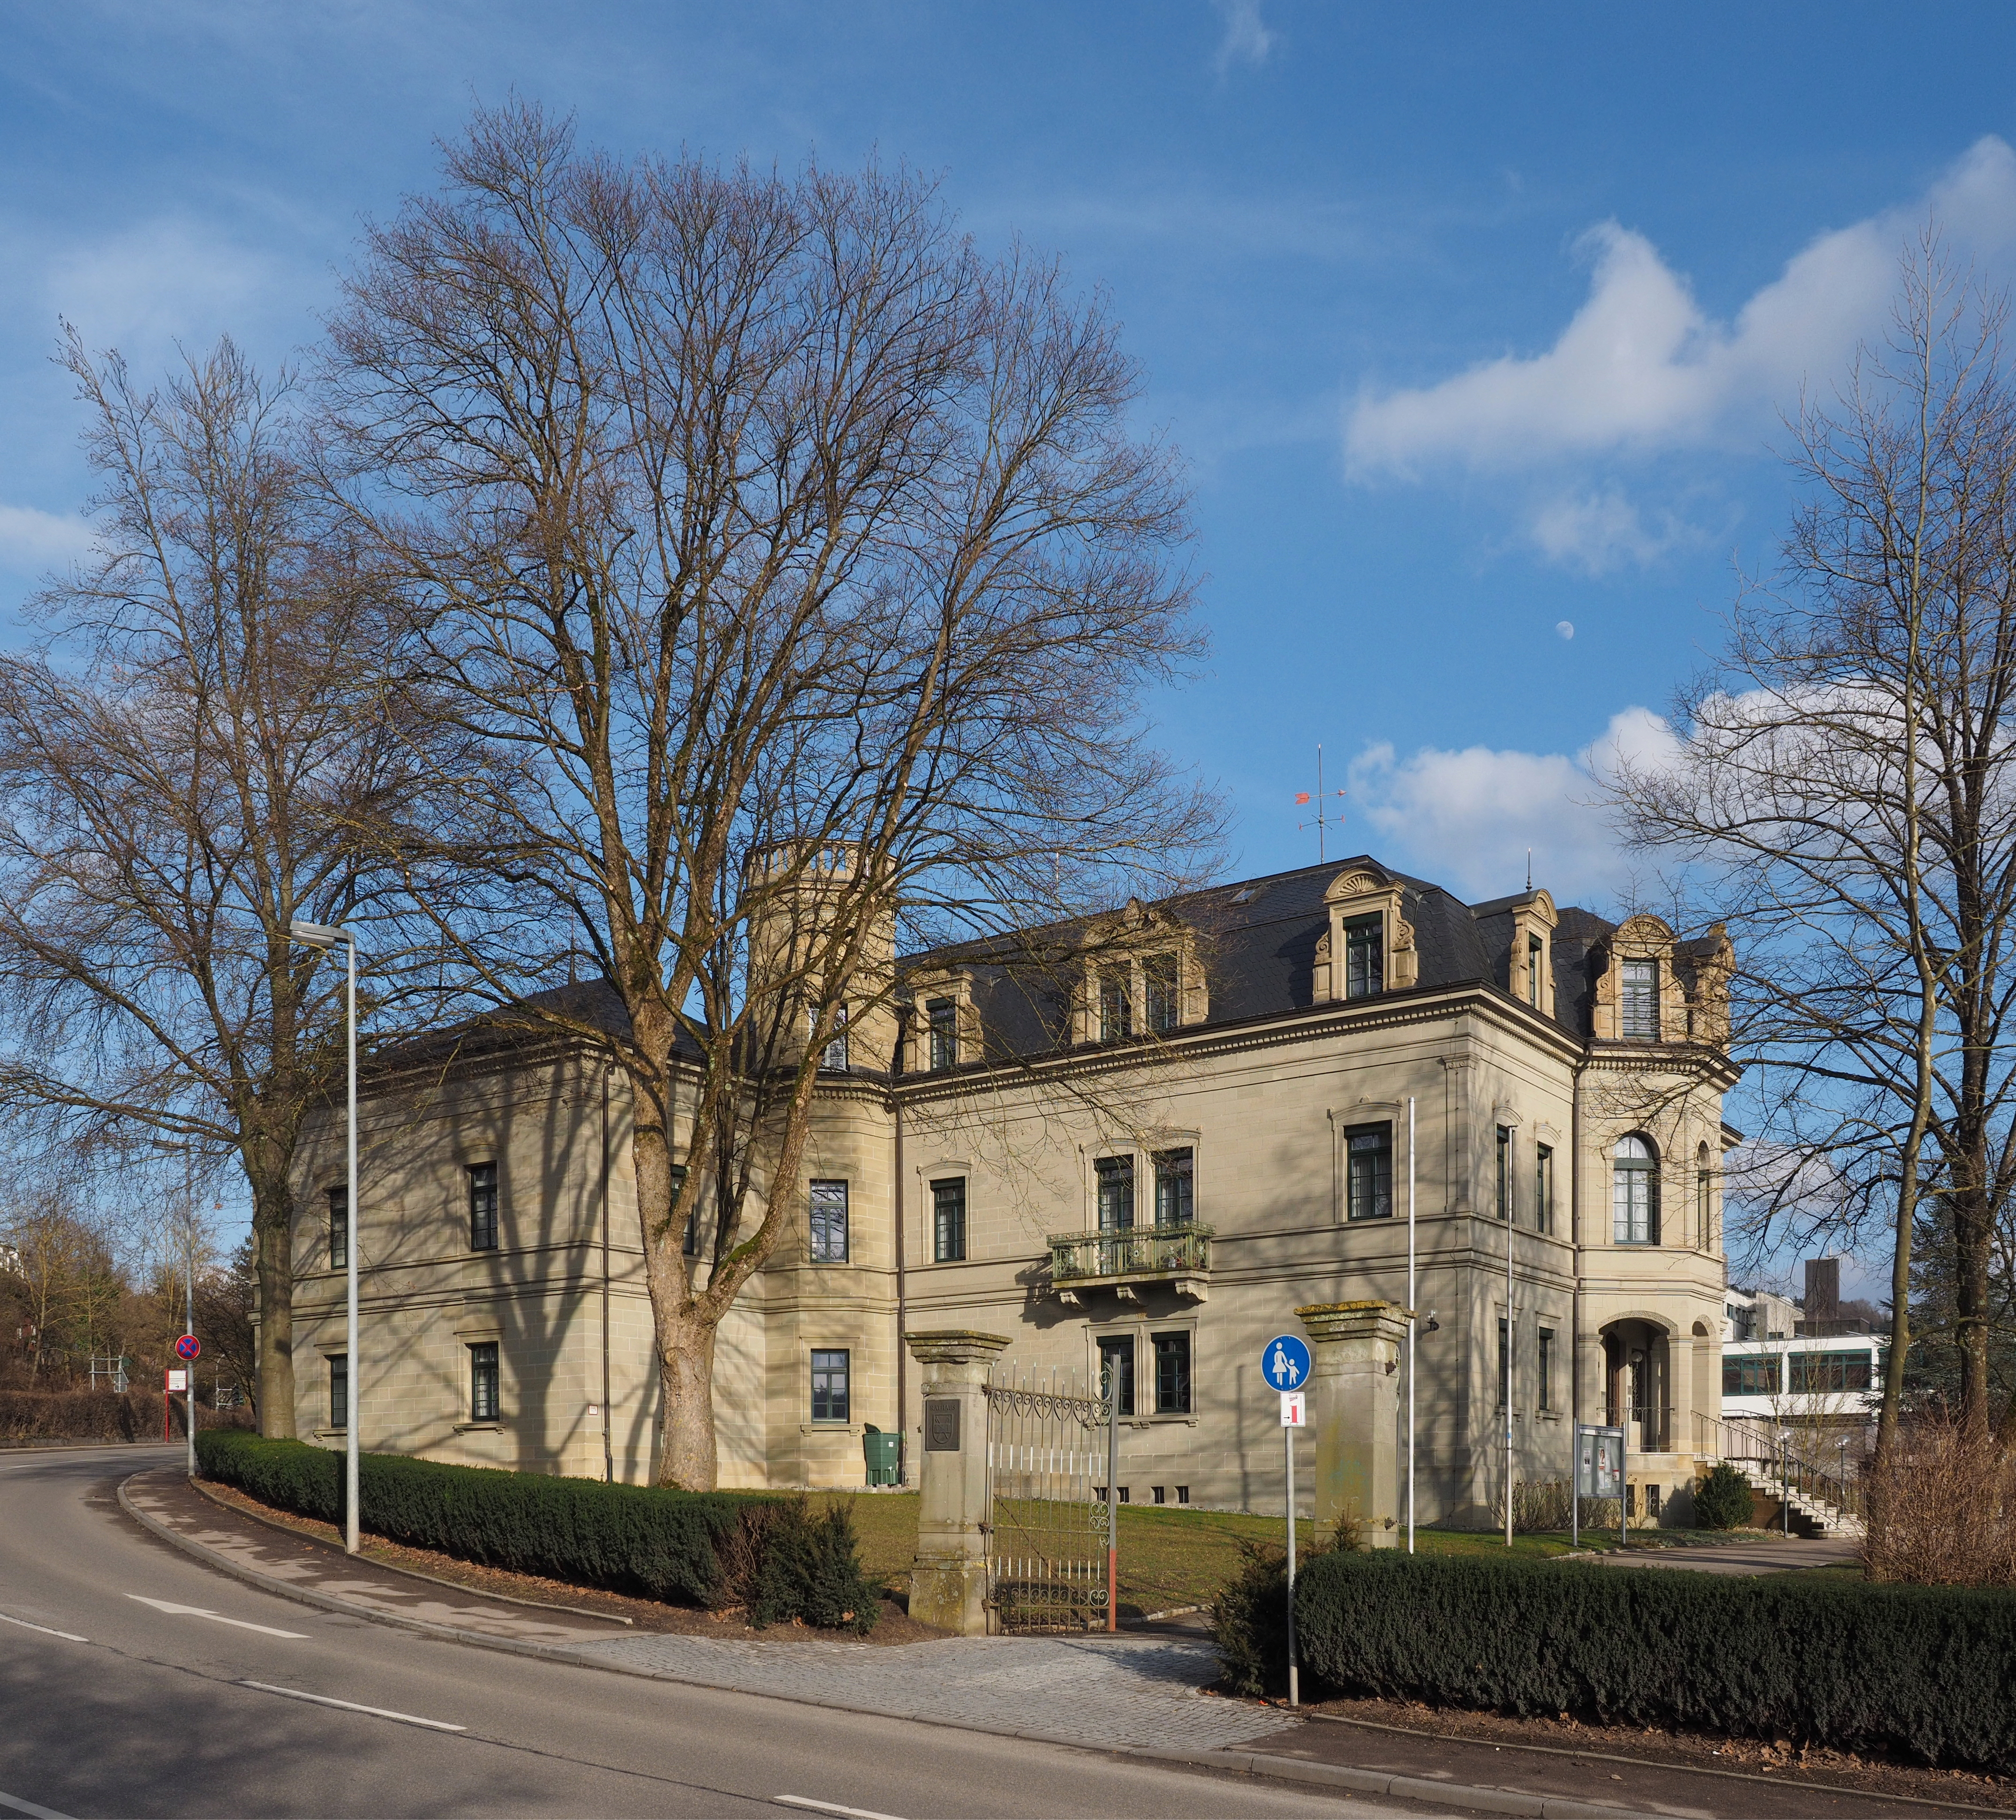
[[1321, 798]]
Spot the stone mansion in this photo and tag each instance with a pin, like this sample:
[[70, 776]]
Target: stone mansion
[[1212, 1132]]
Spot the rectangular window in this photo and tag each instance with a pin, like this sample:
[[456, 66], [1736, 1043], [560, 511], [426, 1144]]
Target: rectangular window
[[1160, 1493], [1116, 1193], [834, 1056], [832, 1396], [1545, 1396], [1639, 980], [949, 1220], [1504, 1361], [1174, 1175], [1116, 1369], [1505, 1172], [1368, 1152], [1543, 1188], [1704, 1203], [339, 1228], [483, 1207], [483, 1382], [1172, 1374], [1116, 1006], [1364, 956], [1533, 952], [1750, 1375], [942, 1015], [829, 1213], [689, 1244], [339, 1389], [1818, 1372], [1159, 975]]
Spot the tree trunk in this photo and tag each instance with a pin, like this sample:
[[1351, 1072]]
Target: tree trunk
[[273, 1236], [687, 1453]]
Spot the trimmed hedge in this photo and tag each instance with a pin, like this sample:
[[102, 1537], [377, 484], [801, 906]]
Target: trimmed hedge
[[708, 1549], [1926, 1671]]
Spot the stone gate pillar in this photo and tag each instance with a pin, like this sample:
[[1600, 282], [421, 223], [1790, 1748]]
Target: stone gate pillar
[[1354, 1407], [948, 1578]]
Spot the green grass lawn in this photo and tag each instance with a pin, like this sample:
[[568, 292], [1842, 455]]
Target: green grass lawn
[[1171, 1556]]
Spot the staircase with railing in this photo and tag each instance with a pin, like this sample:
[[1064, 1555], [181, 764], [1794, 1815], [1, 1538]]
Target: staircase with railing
[[1815, 1502]]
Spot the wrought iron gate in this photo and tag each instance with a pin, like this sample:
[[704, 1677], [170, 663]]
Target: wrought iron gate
[[1046, 1538]]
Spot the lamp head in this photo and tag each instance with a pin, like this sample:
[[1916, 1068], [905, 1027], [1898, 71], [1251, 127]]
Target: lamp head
[[316, 934]]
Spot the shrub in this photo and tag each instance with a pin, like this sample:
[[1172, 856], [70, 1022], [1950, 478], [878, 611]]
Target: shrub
[[32, 1416], [1722, 1500], [1942, 1512], [1921, 1670], [674, 1546], [1249, 1618], [1543, 1505]]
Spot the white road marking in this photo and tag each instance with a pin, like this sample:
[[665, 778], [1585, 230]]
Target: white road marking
[[67, 1636], [323, 1700], [829, 1807], [15, 1804], [196, 1611]]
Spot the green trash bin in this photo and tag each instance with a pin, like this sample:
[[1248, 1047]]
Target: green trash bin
[[885, 1456]]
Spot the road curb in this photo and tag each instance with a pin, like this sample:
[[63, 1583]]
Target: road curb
[[1239, 1762]]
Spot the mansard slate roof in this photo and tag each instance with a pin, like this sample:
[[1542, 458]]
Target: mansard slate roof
[[1257, 944]]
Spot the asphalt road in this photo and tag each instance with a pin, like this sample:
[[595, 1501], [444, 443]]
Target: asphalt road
[[136, 1681]]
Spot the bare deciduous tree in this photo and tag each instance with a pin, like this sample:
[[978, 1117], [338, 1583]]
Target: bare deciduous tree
[[1845, 789], [799, 573], [186, 758]]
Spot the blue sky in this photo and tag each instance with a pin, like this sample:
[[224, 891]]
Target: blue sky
[[1474, 322]]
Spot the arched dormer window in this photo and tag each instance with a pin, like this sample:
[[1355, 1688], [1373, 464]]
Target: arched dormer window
[[1635, 1191]]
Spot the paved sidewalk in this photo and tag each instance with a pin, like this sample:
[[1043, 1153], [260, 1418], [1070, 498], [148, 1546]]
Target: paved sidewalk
[[1135, 1691], [1767, 1555]]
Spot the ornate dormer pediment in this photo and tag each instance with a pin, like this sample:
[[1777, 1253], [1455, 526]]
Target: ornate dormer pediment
[[1357, 897]]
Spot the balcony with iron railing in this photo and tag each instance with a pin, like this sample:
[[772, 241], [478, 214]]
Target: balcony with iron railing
[[1123, 1261]]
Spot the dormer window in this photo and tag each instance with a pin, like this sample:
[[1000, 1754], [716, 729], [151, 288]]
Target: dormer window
[[1116, 1006], [941, 1018], [1158, 973], [1639, 1000], [1364, 956], [1535, 947]]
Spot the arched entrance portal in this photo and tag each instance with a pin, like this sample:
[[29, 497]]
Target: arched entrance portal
[[1638, 1385]]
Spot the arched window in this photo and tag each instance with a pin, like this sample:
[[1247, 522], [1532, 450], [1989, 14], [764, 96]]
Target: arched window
[[1635, 1192]]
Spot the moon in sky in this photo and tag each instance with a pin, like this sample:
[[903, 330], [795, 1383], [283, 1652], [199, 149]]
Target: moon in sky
[[1565, 627]]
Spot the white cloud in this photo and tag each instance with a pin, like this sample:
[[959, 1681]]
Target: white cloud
[[1602, 531], [1246, 39], [1642, 368], [35, 540], [163, 281], [1466, 819]]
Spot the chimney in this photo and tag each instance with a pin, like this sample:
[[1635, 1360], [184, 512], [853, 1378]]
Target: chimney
[[1822, 1292]]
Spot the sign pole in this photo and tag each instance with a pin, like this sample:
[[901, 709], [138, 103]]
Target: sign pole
[[1295, 1679], [1575, 1492], [188, 1328]]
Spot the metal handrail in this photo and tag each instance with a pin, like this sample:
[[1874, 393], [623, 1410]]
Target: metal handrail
[[1759, 1441], [1132, 1251]]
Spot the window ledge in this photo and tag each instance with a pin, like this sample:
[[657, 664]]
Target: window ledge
[[329, 1434], [829, 1428], [479, 1427]]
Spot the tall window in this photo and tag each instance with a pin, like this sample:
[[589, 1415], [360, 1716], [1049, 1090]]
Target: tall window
[[1703, 1191], [1364, 956], [1159, 976], [832, 1395], [689, 1242], [1533, 952], [482, 1381], [1505, 1172], [1172, 1374], [339, 1229], [1116, 1193], [833, 1055], [1175, 1177], [828, 1222], [483, 1207], [1504, 1361], [1639, 980], [1116, 1006], [1543, 1188], [949, 1220], [1544, 1396], [1116, 1368], [339, 1389], [942, 1016], [1368, 1155], [1635, 1193]]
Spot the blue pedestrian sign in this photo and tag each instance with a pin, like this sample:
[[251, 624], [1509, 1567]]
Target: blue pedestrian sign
[[1284, 1362]]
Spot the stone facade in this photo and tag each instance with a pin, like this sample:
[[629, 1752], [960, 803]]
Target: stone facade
[[1249, 1062]]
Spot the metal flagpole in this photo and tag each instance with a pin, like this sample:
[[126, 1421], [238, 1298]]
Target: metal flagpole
[[353, 1415], [1511, 1202], [1413, 1321]]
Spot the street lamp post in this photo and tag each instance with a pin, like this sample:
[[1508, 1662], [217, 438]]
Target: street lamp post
[[322, 936]]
